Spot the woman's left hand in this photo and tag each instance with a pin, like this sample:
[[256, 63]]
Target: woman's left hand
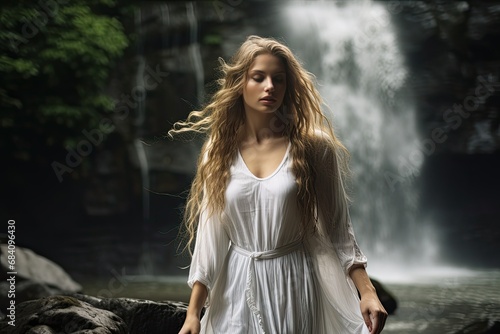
[[373, 313]]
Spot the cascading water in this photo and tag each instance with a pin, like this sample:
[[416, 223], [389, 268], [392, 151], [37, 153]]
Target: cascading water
[[194, 51], [145, 155], [145, 262], [352, 49]]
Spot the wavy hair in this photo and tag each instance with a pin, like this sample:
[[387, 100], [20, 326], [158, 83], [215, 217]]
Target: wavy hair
[[300, 119]]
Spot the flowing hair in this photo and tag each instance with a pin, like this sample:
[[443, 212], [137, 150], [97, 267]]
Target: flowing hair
[[300, 118]]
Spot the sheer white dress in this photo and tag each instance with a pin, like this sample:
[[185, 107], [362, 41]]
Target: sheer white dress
[[262, 277]]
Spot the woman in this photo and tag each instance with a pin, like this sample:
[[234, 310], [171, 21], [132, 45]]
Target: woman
[[275, 250]]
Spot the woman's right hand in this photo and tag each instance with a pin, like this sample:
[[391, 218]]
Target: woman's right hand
[[191, 325]]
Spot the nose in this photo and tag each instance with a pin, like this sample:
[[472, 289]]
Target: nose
[[269, 85]]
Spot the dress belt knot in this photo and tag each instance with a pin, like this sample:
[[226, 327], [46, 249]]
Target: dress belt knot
[[258, 256]]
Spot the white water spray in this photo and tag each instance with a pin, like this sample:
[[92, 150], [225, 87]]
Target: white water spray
[[352, 48]]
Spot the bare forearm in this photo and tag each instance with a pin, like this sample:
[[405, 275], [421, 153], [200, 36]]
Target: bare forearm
[[362, 281], [192, 323], [372, 310], [198, 297]]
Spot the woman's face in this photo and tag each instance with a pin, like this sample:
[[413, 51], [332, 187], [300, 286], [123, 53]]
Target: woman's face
[[266, 84]]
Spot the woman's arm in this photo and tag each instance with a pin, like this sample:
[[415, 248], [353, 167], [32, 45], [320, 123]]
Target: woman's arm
[[336, 224], [198, 297], [210, 250], [372, 310]]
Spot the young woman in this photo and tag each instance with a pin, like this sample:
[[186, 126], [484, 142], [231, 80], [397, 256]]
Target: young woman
[[275, 250]]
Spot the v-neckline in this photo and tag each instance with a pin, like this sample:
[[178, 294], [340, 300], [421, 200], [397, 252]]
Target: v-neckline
[[273, 173]]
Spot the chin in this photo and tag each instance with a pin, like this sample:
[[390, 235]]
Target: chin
[[270, 111]]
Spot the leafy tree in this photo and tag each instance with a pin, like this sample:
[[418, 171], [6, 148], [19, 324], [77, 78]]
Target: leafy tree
[[55, 60]]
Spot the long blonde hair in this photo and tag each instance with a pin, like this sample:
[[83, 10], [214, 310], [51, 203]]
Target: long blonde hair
[[300, 119]]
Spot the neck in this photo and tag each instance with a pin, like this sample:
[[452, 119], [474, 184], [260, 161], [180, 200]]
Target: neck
[[260, 127]]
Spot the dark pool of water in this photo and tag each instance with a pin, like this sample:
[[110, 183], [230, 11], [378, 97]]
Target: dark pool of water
[[445, 304]]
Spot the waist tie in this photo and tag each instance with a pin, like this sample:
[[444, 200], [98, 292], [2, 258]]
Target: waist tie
[[258, 256]]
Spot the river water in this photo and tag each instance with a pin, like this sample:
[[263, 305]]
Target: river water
[[440, 303], [445, 304]]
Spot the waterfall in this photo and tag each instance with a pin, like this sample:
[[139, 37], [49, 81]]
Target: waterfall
[[165, 23], [147, 154], [352, 48], [194, 51], [145, 262]]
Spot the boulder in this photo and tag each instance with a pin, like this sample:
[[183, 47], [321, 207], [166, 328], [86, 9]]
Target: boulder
[[73, 312], [26, 290], [62, 314], [30, 265], [142, 316]]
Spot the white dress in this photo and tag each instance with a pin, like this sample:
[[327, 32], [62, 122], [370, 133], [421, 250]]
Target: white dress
[[261, 276]]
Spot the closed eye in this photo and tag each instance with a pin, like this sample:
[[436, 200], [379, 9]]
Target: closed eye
[[277, 80]]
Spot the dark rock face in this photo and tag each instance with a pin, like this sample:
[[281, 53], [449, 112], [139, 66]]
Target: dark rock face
[[453, 56], [62, 314], [173, 76]]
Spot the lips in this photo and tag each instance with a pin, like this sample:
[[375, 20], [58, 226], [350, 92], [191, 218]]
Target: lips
[[268, 99]]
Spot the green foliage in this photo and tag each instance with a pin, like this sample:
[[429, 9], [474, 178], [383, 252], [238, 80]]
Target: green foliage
[[212, 39], [55, 61]]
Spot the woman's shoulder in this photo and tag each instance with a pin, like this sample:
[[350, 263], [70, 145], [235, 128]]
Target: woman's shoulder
[[328, 153], [321, 143]]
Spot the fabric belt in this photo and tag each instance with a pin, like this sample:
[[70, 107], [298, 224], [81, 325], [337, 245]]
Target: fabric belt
[[258, 256]]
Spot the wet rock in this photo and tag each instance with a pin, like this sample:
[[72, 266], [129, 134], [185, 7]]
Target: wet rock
[[27, 290], [70, 313], [62, 314], [31, 266], [41, 330], [482, 326], [142, 316]]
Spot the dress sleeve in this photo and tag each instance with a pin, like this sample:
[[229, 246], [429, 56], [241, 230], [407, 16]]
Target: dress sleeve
[[210, 250], [334, 222]]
